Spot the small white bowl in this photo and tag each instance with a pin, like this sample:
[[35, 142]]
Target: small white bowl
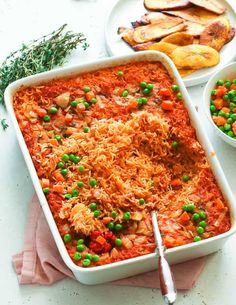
[[228, 72]]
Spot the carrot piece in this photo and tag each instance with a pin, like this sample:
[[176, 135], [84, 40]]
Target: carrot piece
[[45, 182], [219, 120], [58, 176], [101, 240], [184, 217], [226, 103], [225, 109], [89, 95], [68, 118], [133, 104], [221, 90], [167, 105], [106, 220], [164, 92], [234, 110], [218, 103], [80, 107], [54, 142], [41, 112], [234, 127], [58, 188], [219, 204], [233, 87], [176, 182]]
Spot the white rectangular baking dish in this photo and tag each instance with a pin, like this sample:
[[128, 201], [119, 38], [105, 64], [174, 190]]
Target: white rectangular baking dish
[[129, 267]]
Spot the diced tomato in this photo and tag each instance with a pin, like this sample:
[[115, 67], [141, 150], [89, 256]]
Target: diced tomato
[[133, 104], [68, 118], [45, 182], [218, 103], [233, 87], [80, 108], [89, 95], [165, 92], [96, 247], [107, 247], [58, 176], [109, 235], [176, 182], [184, 217], [219, 204], [219, 120], [95, 234], [167, 105], [41, 112], [58, 188]]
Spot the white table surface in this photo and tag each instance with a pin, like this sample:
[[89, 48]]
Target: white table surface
[[22, 20]]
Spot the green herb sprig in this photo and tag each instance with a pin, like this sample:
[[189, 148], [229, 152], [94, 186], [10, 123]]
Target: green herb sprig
[[39, 55], [4, 124]]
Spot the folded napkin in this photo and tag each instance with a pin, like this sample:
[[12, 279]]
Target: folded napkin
[[41, 263]]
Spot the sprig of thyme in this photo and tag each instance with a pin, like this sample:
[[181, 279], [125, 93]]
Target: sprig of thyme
[[39, 55]]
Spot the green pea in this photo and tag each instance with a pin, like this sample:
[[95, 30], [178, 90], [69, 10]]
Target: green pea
[[195, 216], [64, 171], [60, 165], [74, 104], [230, 120], [111, 225], [86, 262], [113, 214], [68, 196], [231, 94], [227, 115], [225, 97], [126, 216], [93, 101], [65, 158], [86, 129], [174, 144], [80, 247], [230, 134], [76, 159], [141, 201], [77, 256], [215, 114], [140, 101], [179, 96], [221, 113], [185, 207], [81, 168], [197, 238], [144, 100], [118, 242], [88, 256], [202, 214], [212, 102], [227, 127], [80, 241], [233, 105], [86, 104], [212, 108], [87, 89], [46, 190], [80, 184], [53, 110], [71, 157], [213, 92], [220, 82], [75, 193], [92, 182], [93, 206], [174, 88], [221, 128], [96, 213], [200, 230], [95, 258], [67, 238], [150, 86], [118, 227], [185, 178], [233, 116], [57, 137], [234, 81], [143, 85], [125, 93], [202, 224], [227, 83], [146, 91], [46, 118], [191, 207], [120, 73]]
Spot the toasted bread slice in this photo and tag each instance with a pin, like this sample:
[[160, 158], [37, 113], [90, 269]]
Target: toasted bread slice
[[210, 5], [195, 56], [160, 5], [194, 14], [216, 33]]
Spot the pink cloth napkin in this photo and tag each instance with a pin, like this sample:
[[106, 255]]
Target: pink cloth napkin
[[41, 263]]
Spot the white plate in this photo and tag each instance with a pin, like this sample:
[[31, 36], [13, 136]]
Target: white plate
[[125, 11]]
